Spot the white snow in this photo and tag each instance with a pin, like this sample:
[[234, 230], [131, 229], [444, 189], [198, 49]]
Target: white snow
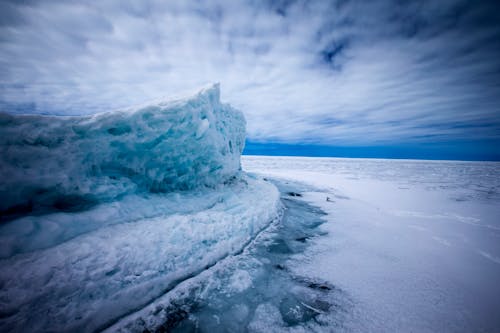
[[266, 319], [416, 244], [241, 280]]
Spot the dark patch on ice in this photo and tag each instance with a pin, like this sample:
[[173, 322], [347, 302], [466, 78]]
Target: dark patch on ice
[[302, 239], [320, 286], [174, 318], [5, 313], [233, 180], [119, 130], [47, 200], [16, 211], [294, 194], [47, 142], [280, 246], [316, 284], [72, 203], [112, 272], [185, 326]]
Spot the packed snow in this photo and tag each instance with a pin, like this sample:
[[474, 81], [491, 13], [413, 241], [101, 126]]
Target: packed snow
[[415, 244], [168, 200]]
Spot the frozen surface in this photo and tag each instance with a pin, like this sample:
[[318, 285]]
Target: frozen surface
[[361, 246], [107, 214], [70, 163], [414, 244]]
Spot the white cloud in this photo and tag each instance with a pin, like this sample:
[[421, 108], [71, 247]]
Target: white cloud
[[396, 73]]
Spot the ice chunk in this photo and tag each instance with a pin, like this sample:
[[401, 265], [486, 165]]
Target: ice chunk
[[240, 281], [70, 163], [108, 229]]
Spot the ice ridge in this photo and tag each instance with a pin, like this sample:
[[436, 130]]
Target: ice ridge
[[68, 163], [107, 213]]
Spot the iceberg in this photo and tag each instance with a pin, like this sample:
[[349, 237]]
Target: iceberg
[[104, 214], [70, 163]]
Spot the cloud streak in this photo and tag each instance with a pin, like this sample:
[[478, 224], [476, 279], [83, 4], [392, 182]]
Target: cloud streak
[[327, 72]]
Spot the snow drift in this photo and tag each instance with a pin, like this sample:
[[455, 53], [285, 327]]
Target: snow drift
[[68, 163], [161, 194]]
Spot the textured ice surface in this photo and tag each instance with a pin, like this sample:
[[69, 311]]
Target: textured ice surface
[[70, 163], [87, 282], [34, 232], [107, 213], [254, 291]]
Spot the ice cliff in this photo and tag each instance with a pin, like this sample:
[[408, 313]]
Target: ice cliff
[[67, 163], [106, 213]]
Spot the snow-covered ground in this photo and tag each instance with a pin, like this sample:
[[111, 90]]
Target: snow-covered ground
[[415, 244]]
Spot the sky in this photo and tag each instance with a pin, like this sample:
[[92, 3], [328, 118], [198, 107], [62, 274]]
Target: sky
[[387, 77]]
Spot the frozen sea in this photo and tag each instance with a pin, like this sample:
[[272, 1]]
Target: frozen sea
[[147, 220], [410, 245], [352, 245]]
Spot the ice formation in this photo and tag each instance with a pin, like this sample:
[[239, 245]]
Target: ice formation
[[68, 163], [163, 198]]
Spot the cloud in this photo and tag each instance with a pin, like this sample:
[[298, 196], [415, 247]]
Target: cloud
[[329, 72]]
